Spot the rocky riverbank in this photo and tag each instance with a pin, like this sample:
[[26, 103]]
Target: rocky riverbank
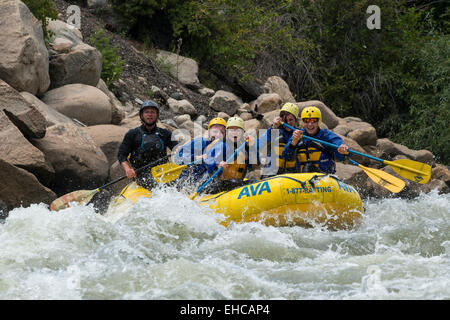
[[60, 125]]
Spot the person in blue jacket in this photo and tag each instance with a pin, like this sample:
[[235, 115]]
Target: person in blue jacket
[[311, 156], [195, 150], [233, 172], [275, 142]]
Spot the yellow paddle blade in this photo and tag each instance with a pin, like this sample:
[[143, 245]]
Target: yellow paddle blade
[[384, 179], [167, 172], [411, 170], [79, 196], [192, 196]]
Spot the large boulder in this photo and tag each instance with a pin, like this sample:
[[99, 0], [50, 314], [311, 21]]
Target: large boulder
[[59, 45], [356, 147], [108, 137], [182, 68], [392, 149], [224, 101], [413, 189], [117, 109], [351, 174], [26, 188], [63, 30], [328, 116], [132, 121], [441, 172], [24, 57], [51, 115], [82, 64], [277, 85], [435, 184], [194, 129], [78, 162], [268, 118], [342, 129], [363, 133], [24, 116], [115, 172], [85, 103], [17, 151], [180, 107], [267, 102], [252, 125]]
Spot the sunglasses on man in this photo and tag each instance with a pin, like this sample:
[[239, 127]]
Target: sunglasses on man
[[312, 120]]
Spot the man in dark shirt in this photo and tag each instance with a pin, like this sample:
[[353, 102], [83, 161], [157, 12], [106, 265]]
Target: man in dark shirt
[[144, 145]]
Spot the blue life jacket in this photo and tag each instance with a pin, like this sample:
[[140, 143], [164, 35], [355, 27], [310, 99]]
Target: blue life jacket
[[310, 155]]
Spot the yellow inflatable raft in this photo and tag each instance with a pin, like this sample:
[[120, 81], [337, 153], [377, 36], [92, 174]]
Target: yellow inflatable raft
[[303, 199]]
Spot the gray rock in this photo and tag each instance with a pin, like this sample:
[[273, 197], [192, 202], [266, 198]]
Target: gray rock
[[78, 162], [24, 57], [85, 103], [82, 64], [277, 85], [27, 189], [224, 101], [18, 151], [108, 138], [25, 117], [182, 68], [51, 115]]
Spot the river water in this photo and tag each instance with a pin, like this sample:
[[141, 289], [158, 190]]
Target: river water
[[168, 247]]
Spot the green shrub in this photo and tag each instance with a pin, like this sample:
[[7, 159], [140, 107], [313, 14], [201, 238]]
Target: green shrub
[[112, 63], [426, 124], [43, 9]]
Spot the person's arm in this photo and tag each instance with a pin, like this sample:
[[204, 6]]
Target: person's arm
[[124, 151], [129, 171], [333, 138], [289, 150]]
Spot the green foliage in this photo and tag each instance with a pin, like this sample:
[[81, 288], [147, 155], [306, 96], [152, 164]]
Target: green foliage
[[244, 39], [135, 10], [112, 63], [43, 9], [139, 16], [355, 66], [427, 123]]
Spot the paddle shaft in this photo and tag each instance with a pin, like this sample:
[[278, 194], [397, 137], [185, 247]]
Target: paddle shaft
[[228, 160], [221, 168], [137, 170], [181, 167], [358, 153]]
